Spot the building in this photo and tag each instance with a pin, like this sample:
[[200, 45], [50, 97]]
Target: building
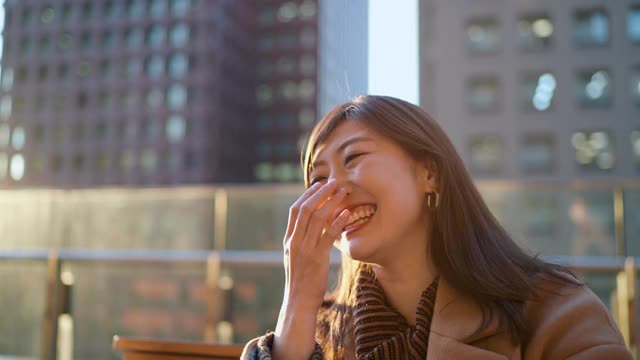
[[312, 56], [544, 90], [163, 92]]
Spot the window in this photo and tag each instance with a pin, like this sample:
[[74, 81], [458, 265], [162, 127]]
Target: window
[[285, 172], [175, 128], [307, 65], [158, 8], [266, 16], [18, 138], [594, 150], [635, 84], [264, 121], [4, 165], [180, 7], [135, 8], [6, 105], [44, 44], [108, 39], [591, 28], [7, 79], [535, 32], [287, 11], [178, 65], [288, 90], [47, 15], [286, 65], [65, 42], [17, 166], [635, 145], [308, 38], [110, 10], [307, 89], [127, 160], [134, 67], [155, 67], [85, 40], [307, 9], [57, 163], [483, 94], [5, 135], [154, 98], [264, 94], [537, 153], [264, 171], [633, 25], [263, 149], [134, 38], [78, 162], [482, 35], [538, 90], [155, 36], [287, 40], [486, 154], [266, 41], [594, 88], [306, 118], [148, 161], [176, 97], [179, 35]]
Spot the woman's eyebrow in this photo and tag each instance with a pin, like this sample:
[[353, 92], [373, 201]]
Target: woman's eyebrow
[[341, 148]]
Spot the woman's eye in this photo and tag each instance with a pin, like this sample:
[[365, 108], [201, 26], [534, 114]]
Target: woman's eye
[[351, 157]]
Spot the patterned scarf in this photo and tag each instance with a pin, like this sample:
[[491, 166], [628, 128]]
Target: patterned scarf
[[381, 332]]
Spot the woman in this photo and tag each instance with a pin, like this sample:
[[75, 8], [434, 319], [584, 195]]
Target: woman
[[427, 271]]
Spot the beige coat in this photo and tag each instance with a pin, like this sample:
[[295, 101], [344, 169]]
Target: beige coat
[[571, 323]]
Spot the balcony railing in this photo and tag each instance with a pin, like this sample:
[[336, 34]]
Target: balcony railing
[[59, 305]]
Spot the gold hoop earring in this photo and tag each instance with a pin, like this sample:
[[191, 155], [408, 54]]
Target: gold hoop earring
[[433, 200]]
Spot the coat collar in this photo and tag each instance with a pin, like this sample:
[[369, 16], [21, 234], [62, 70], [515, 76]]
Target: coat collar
[[458, 317]]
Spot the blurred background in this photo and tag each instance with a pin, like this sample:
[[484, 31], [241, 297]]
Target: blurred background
[[150, 149]]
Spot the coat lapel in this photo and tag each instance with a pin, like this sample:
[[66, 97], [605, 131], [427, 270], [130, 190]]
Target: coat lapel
[[455, 320]]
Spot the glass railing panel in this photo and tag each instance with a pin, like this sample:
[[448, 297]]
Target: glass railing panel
[[157, 300], [20, 211], [556, 221], [632, 221], [23, 300], [257, 217], [143, 219]]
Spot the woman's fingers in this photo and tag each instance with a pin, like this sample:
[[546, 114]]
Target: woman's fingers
[[309, 207], [334, 231], [321, 217], [294, 209]]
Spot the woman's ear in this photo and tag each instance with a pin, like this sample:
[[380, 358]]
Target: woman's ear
[[429, 176]]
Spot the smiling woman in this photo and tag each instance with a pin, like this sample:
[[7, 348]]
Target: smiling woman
[[427, 271]]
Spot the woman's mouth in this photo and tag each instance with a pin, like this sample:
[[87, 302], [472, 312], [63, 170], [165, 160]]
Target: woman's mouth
[[360, 216]]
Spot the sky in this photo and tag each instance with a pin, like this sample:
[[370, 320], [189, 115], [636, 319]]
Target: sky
[[393, 48]]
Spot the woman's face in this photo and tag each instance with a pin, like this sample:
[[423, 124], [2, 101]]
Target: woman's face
[[386, 192]]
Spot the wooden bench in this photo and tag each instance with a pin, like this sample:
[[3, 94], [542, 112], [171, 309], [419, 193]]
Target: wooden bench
[[147, 349]]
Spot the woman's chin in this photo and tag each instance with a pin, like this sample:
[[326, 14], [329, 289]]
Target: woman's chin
[[357, 249]]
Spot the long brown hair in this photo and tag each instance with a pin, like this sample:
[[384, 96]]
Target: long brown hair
[[469, 248]]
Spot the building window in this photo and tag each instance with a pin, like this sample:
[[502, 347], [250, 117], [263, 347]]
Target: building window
[[264, 121], [306, 118], [535, 32], [594, 88], [155, 67], [307, 9], [179, 35], [308, 38], [266, 41], [155, 36], [486, 154], [154, 98], [134, 67], [135, 8], [286, 65], [285, 172], [483, 94], [537, 153], [266, 16], [4, 165], [635, 145], [47, 15], [108, 39], [483, 35], [127, 160], [134, 38], [65, 42], [110, 10], [176, 97], [633, 25], [7, 79], [264, 94], [18, 138], [307, 89], [180, 7], [178, 65], [591, 27], [148, 161], [594, 150], [287, 11], [5, 135], [264, 172], [263, 149], [307, 65], [538, 91], [176, 128], [158, 8], [17, 167], [635, 84]]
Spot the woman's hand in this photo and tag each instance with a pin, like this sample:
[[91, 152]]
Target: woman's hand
[[312, 228]]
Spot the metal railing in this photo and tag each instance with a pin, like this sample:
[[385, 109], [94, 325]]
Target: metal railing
[[624, 299]]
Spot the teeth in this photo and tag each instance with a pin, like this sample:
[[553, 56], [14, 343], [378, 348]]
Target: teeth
[[361, 212]]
